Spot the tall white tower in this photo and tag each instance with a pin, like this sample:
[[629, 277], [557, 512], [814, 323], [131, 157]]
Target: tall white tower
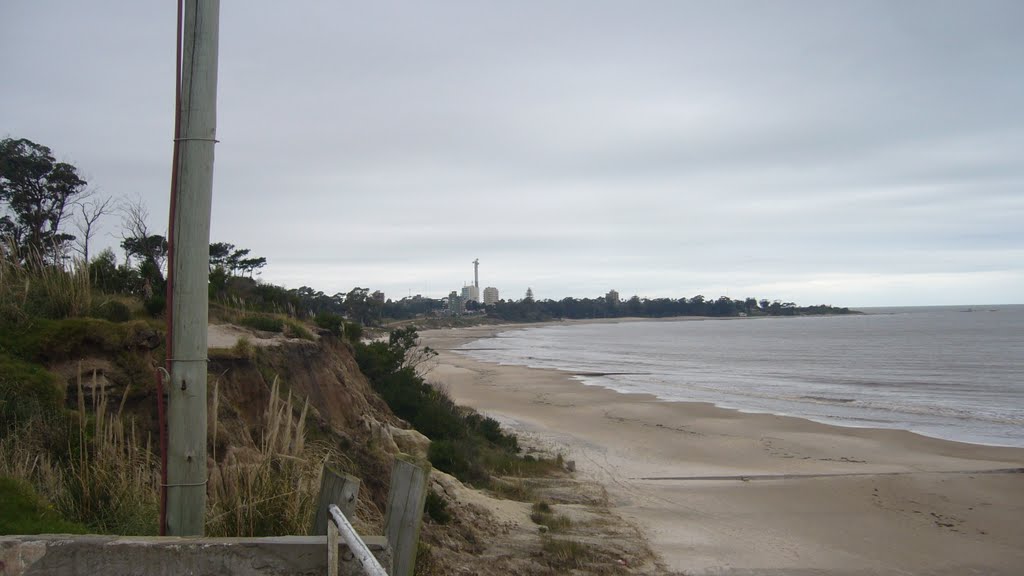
[[476, 274]]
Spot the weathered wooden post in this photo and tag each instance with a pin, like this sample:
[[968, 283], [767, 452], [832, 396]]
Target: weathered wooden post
[[189, 262], [335, 488], [404, 514]]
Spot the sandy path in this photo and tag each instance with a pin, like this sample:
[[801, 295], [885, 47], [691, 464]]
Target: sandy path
[[849, 500]]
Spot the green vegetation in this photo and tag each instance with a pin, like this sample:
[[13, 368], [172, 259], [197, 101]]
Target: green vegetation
[[295, 329], [463, 443], [27, 392], [529, 310], [90, 465], [564, 554], [38, 193], [543, 515], [436, 508], [23, 511], [263, 322], [274, 491]]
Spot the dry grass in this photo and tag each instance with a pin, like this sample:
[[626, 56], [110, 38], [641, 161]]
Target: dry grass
[[107, 479], [269, 487], [565, 554], [544, 515], [511, 489], [34, 287]]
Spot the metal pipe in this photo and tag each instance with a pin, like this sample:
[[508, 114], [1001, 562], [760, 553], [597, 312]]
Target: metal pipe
[[355, 544]]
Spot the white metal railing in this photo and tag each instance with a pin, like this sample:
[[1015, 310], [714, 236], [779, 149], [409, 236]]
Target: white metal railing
[[340, 526]]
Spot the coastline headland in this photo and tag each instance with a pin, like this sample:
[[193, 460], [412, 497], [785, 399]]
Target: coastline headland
[[717, 491]]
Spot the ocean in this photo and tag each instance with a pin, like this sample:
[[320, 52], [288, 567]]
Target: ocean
[[948, 372]]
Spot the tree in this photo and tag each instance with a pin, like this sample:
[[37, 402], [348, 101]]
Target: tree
[[219, 254], [405, 345], [90, 210], [135, 237], [359, 306], [36, 193], [224, 256]]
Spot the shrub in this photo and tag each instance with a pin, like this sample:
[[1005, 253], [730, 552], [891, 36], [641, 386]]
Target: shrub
[[47, 341], [353, 332], [263, 322], [543, 515], [464, 444], [297, 330], [23, 511], [330, 322], [92, 467], [112, 310], [244, 348], [155, 305], [437, 508], [458, 459], [27, 391]]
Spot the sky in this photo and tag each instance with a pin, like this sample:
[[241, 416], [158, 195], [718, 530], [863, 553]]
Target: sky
[[850, 153]]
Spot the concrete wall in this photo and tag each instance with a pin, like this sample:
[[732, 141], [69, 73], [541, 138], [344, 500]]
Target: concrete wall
[[62, 555]]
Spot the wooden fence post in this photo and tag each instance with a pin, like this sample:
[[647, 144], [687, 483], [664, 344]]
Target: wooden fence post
[[335, 488], [404, 514], [332, 549]]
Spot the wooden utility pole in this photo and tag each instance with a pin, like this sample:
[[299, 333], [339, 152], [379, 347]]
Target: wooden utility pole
[[189, 273]]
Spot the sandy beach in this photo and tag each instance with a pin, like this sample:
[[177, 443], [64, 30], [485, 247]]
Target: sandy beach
[[718, 491]]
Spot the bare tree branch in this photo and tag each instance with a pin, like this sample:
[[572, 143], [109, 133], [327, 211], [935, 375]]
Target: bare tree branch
[[90, 209]]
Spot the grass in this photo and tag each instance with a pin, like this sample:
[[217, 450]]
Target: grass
[[98, 474], [269, 487], [34, 288], [465, 444], [26, 391], [436, 508], [48, 341], [89, 468], [23, 511], [90, 464], [295, 329], [543, 515], [511, 489], [263, 322], [566, 554]]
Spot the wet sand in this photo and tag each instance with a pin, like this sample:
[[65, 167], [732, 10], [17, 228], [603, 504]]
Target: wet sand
[[718, 491]]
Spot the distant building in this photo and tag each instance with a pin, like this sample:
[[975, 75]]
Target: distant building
[[455, 303], [612, 297], [377, 295], [470, 293], [490, 296]]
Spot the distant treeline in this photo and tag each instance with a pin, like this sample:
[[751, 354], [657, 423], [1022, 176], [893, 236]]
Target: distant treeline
[[528, 310], [358, 305]]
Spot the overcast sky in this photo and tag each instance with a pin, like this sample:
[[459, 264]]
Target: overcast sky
[[852, 153]]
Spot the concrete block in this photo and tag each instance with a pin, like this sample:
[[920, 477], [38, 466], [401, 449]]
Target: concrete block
[[67, 555]]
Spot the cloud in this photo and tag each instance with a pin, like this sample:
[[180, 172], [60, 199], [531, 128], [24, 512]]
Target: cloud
[[859, 153]]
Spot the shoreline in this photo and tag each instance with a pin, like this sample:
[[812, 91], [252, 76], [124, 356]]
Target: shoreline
[[717, 490], [490, 331]]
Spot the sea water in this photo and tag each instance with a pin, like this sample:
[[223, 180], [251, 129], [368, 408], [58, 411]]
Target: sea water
[[949, 372]]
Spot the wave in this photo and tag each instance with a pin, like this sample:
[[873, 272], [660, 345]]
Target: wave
[[916, 372]]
